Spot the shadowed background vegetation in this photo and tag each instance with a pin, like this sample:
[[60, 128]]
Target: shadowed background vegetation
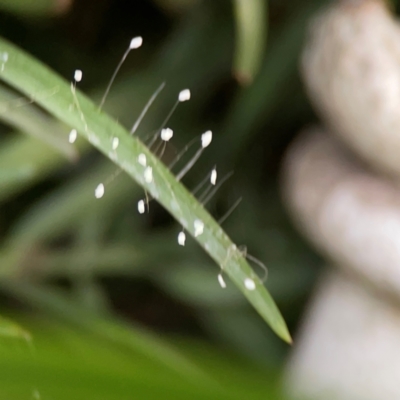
[[104, 302]]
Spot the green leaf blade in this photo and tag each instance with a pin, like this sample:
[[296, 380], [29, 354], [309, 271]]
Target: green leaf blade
[[251, 37], [35, 80], [10, 329]]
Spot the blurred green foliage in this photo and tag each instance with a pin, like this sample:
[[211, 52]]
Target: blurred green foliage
[[102, 270]]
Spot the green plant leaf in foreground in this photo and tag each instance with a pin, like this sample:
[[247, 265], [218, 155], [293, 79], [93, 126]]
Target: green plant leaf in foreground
[[10, 329], [32, 78], [68, 364], [116, 331]]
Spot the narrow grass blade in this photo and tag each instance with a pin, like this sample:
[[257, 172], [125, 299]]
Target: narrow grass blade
[[32, 77], [29, 119], [251, 35]]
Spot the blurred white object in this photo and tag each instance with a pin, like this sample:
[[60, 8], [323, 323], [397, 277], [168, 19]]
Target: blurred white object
[[351, 68], [349, 345], [351, 214]]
